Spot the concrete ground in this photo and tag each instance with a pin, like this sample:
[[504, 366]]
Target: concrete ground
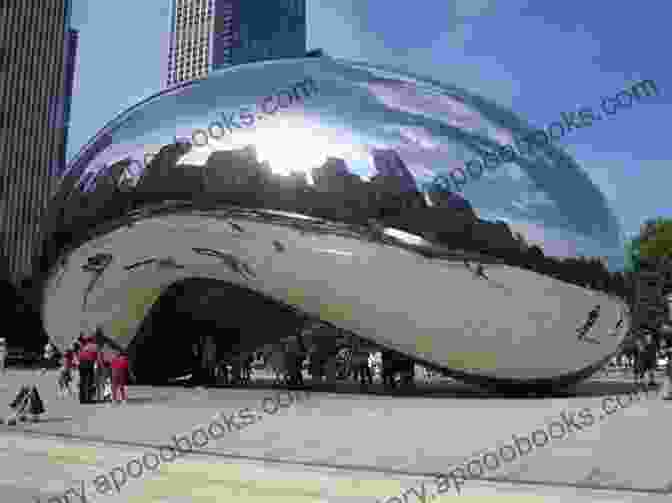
[[336, 444]]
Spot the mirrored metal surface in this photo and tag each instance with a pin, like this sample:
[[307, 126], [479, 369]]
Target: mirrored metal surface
[[348, 152]]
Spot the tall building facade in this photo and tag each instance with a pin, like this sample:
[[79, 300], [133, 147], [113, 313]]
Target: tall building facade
[[37, 53], [207, 35]]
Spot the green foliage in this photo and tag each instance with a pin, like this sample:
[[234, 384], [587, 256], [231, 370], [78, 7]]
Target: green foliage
[[657, 239], [654, 242]]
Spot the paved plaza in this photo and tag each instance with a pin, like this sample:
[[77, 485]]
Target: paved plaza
[[336, 445]]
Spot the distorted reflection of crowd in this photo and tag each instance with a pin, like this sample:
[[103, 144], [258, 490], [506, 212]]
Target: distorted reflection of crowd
[[323, 352]]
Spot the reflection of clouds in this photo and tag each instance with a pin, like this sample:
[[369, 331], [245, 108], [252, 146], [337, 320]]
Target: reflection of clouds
[[502, 136], [404, 116], [553, 241], [421, 171], [405, 97], [415, 136], [536, 198], [512, 171], [423, 153], [528, 201]]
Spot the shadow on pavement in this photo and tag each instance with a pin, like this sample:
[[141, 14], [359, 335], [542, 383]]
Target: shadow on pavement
[[442, 389]]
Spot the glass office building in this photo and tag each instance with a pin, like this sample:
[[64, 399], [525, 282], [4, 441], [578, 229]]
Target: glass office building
[[320, 189], [208, 35]]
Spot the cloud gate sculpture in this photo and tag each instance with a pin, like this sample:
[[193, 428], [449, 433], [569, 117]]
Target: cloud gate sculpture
[[320, 185]]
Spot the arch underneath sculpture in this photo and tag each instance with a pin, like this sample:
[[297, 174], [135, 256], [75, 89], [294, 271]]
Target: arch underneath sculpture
[[239, 318]]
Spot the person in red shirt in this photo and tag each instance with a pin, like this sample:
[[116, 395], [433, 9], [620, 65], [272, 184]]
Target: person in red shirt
[[120, 373], [88, 354]]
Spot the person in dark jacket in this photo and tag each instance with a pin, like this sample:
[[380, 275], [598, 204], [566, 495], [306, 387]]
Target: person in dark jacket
[[650, 358], [388, 362], [88, 354]]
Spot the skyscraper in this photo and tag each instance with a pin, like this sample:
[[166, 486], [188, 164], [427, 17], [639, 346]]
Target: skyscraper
[[207, 35], [37, 52]]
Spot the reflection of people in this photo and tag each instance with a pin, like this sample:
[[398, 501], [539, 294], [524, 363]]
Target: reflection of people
[[479, 272], [592, 318]]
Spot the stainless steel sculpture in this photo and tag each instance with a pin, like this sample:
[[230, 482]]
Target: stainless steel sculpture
[[321, 184]]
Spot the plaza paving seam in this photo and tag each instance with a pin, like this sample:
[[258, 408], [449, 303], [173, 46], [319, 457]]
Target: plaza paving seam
[[364, 468]]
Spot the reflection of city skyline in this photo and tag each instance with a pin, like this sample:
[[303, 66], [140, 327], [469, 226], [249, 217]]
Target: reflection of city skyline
[[388, 200], [328, 191], [378, 142]]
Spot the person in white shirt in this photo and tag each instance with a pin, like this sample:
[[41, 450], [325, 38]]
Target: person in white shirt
[[49, 352], [667, 384]]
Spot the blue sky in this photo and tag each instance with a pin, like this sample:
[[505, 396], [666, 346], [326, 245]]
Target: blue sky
[[538, 58]]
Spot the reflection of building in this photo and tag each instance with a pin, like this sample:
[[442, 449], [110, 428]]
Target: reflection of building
[[36, 74], [391, 166], [210, 34], [394, 188], [450, 200], [340, 192]]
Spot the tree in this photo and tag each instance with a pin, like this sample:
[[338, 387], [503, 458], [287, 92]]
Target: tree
[[654, 242], [657, 242]]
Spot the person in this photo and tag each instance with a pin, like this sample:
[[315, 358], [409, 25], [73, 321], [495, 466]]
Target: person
[[650, 358], [49, 353], [360, 364], [236, 369], [209, 359], [639, 361], [3, 355], [65, 379], [103, 376], [88, 354], [278, 363], [294, 361], [102, 371], [388, 364], [317, 359], [593, 315], [667, 385], [120, 374], [246, 360]]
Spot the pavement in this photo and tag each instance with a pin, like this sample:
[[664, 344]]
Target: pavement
[[336, 444]]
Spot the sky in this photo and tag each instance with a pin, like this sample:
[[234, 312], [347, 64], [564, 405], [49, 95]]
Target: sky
[[535, 57]]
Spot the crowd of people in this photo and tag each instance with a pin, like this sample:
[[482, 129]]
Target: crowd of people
[[325, 360], [641, 354], [103, 370]]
